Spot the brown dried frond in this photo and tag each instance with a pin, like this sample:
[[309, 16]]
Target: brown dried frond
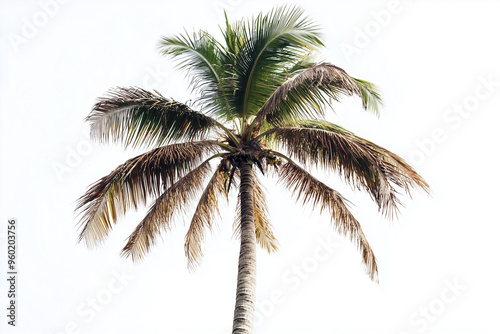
[[362, 163], [263, 226], [203, 217], [310, 83], [132, 183], [306, 187], [159, 216]]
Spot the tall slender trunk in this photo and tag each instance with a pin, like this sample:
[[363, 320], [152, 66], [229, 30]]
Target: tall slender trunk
[[247, 269]]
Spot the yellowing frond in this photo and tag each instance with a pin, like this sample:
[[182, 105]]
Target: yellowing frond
[[204, 216], [160, 214], [263, 226], [132, 183]]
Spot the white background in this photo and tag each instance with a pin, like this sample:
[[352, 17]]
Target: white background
[[430, 58]]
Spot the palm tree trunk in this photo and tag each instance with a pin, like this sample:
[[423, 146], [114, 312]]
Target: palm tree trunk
[[247, 269]]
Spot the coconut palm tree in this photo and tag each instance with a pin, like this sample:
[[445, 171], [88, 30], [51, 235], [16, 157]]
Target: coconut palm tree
[[260, 109]]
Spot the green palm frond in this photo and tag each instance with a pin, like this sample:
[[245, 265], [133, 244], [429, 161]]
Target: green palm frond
[[137, 117], [160, 215], [260, 51], [362, 163], [307, 188], [306, 94], [199, 56], [263, 227], [203, 218], [370, 95], [133, 182]]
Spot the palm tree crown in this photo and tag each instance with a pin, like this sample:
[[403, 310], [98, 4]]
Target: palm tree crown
[[260, 108]]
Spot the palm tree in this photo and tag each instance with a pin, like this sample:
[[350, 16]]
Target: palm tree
[[260, 109]]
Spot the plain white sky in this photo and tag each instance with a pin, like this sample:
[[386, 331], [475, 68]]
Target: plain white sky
[[437, 65]]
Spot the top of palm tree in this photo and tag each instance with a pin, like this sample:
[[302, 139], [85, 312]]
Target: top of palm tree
[[260, 100]]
